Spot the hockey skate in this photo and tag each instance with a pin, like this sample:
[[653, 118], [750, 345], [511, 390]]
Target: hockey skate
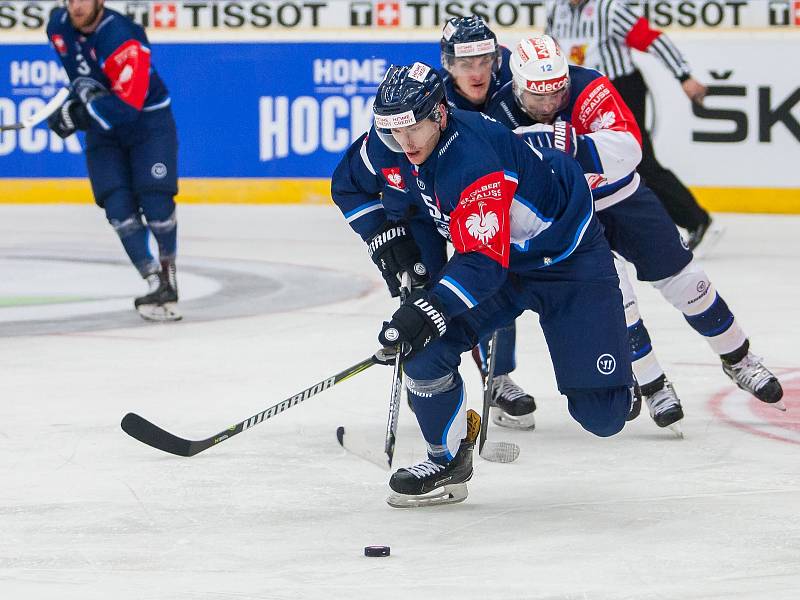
[[159, 304], [752, 376], [513, 407], [429, 483], [664, 405]]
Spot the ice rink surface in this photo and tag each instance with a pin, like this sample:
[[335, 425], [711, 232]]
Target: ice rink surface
[[277, 298]]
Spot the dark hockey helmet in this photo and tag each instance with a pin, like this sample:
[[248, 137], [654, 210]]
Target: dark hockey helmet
[[407, 95], [468, 36]]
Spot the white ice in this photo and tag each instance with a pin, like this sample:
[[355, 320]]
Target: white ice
[[280, 511]]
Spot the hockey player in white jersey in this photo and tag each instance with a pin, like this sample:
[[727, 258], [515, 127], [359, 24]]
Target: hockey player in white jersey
[[578, 111]]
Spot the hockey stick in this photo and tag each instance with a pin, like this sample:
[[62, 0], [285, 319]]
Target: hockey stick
[[397, 383], [40, 115], [360, 450], [503, 452], [146, 432]]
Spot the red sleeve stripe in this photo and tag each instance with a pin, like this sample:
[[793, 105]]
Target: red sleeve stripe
[[641, 36], [128, 71]]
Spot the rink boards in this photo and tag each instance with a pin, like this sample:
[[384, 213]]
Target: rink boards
[[266, 122]]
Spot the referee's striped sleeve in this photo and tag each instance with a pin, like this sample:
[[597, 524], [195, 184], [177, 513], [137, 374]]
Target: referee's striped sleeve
[[635, 31]]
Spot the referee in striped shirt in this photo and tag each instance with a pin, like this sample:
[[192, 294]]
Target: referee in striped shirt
[[599, 34]]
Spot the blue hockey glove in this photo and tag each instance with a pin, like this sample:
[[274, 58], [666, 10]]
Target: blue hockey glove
[[69, 118], [394, 251], [414, 325]]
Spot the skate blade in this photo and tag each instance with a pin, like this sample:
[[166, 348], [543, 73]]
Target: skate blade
[[159, 313], [522, 422], [448, 494], [677, 429], [779, 405], [500, 452]]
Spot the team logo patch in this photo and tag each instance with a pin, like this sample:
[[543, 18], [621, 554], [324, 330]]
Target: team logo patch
[[391, 334], [59, 44], [392, 175], [159, 170], [483, 226], [604, 120], [606, 364]]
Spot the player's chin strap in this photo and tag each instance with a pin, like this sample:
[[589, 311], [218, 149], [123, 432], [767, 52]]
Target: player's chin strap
[[397, 381]]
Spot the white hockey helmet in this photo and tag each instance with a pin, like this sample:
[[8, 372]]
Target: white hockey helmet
[[540, 75]]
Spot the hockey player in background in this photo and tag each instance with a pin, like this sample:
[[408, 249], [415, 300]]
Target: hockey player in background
[[474, 68], [525, 236], [122, 104], [578, 111], [599, 34], [474, 65]]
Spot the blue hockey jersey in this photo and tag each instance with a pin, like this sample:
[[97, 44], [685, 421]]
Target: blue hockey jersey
[[505, 206], [117, 57]]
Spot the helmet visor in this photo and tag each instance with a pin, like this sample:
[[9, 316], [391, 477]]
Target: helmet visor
[[542, 108]]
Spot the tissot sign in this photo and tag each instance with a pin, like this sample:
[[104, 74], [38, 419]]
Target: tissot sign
[[334, 15]]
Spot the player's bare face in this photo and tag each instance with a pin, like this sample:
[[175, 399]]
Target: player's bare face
[[542, 108], [472, 76], [418, 140], [84, 14]]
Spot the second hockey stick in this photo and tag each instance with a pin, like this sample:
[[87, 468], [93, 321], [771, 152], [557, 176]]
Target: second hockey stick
[[148, 433], [40, 115], [397, 383], [503, 452]]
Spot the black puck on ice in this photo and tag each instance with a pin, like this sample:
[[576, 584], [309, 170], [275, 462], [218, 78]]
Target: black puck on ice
[[376, 551]]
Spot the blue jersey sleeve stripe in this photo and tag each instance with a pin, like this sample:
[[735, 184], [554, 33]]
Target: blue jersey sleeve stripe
[[96, 116], [529, 205], [510, 175], [587, 155], [578, 237], [606, 190], [362, 210], [459, 291]]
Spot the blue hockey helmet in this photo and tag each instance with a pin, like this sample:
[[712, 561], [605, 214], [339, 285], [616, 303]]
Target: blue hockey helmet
[[407, 95], [468, 36]]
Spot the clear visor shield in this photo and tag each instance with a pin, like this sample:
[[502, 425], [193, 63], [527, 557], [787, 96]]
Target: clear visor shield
[[399, 137], [542, 108], [482, 65]]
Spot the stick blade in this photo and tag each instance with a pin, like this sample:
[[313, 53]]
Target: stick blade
[[501, 452], [143, 430]]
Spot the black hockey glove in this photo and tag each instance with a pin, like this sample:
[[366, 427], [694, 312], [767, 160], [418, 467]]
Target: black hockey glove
[[414, 325], [71, 117], [394, 250]]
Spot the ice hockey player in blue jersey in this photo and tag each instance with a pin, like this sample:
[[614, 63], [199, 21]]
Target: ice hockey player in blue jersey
[[122, 104], [578, 111], [525, 237], [474, 65], [474, 68]]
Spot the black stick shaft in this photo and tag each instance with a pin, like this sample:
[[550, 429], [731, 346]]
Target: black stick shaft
[[397, 383], [152, 435], [488, 382]]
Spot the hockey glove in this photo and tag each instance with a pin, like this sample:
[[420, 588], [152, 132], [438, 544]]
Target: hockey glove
[[68, 119], [395, 251], [559, 135], [414, 325]]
